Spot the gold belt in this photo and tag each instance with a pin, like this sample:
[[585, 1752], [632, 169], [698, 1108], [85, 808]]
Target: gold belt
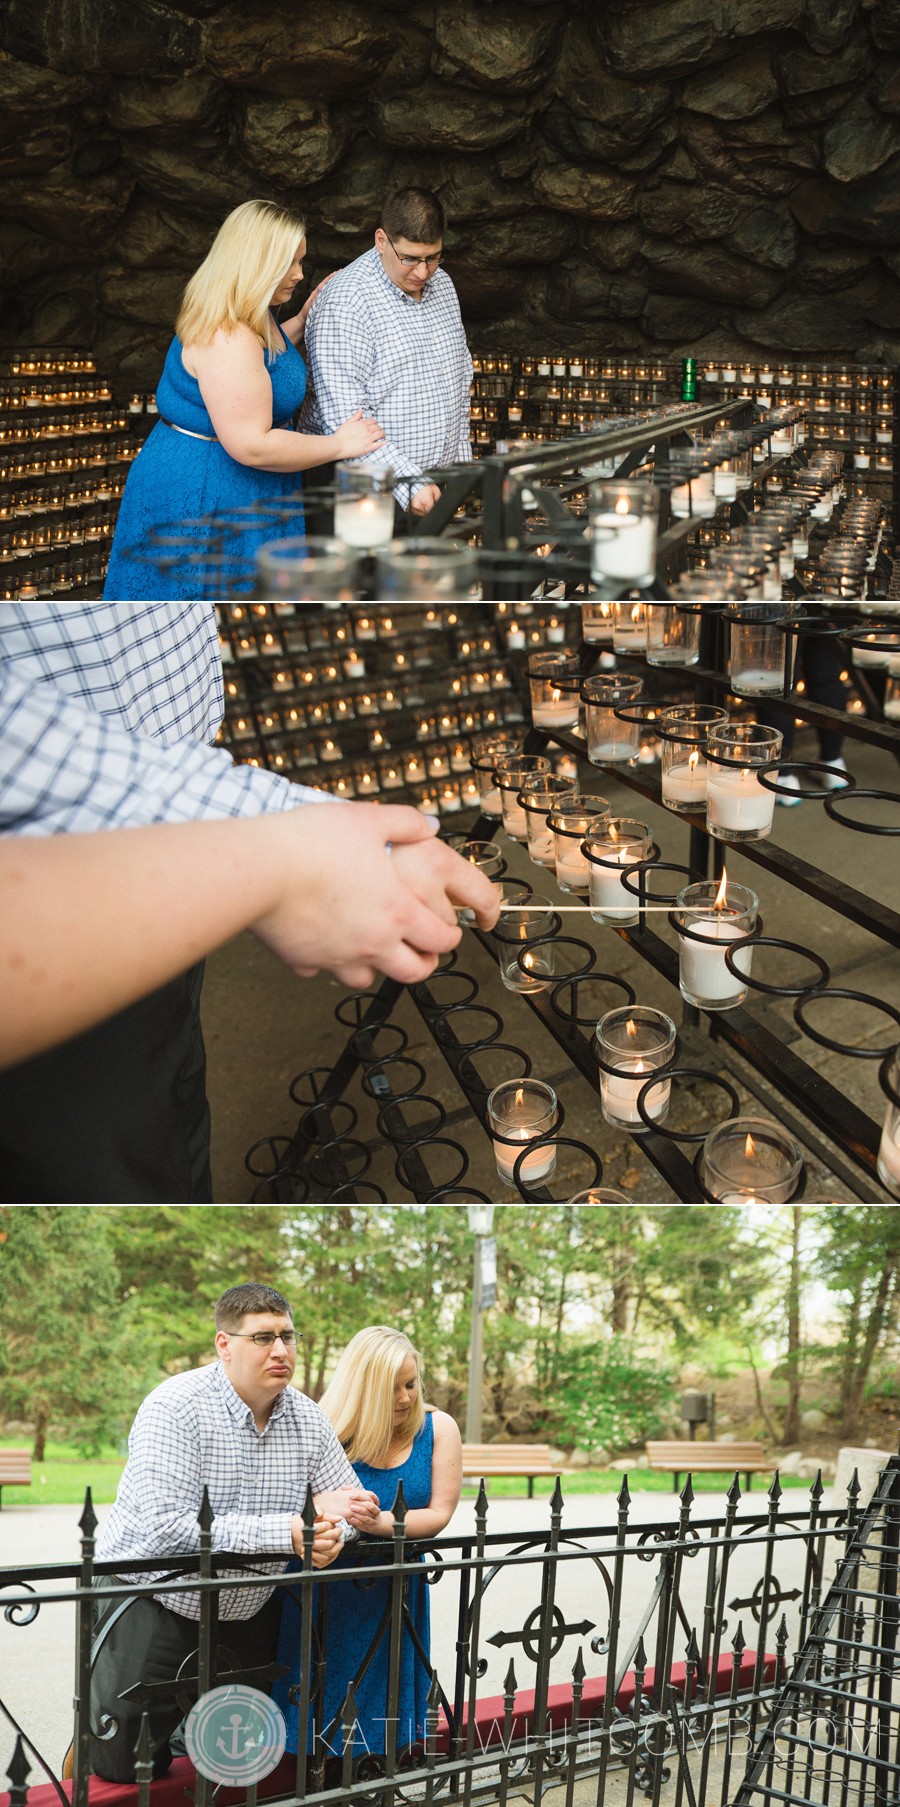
[[208, 436]]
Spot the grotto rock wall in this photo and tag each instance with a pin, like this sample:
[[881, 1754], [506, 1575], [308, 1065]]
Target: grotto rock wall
[[663, 175]]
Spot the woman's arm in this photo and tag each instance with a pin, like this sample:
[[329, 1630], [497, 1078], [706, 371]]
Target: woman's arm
[[237, 393], [446, 1483]]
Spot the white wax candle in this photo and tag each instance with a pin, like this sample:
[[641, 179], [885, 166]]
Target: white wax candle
[[490, 803], [737, 799], [572, 870], [556, 634], [757, 680], [364, 521], [438, 765], [515, 821], [354, 666], [606, 887], [725, 485], [330, 751], [729, 374], [686, 783], [459, 762], [614, 752], [563, 714], [540, 846], [365, 629], [699, 501], [391, 780], [537, 1166], [629, 550], [619, 1094], [515, 639], [448, 801], [702, 971], [889, 1160]]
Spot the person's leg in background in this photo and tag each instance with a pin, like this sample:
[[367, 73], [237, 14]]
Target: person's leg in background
[[819, 665], [118, 1115]]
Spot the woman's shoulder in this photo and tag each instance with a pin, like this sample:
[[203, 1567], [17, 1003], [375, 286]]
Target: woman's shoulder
[[445, 1428], [237, 346]]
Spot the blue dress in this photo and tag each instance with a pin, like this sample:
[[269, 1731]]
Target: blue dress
[[354, 1615], [175, 478]]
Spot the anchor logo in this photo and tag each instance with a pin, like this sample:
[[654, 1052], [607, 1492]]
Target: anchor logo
[[236, 1722]]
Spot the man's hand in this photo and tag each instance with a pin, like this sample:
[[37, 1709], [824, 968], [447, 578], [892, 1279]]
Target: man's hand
[[424, 499], [355, 1504], [345, 903], [327, 1542]]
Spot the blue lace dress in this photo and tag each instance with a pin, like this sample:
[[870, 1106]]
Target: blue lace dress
[[354, 1615], [175, 478]]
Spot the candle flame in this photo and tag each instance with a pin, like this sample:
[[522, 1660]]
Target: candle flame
[[388, 624], [520, 1098], [622, 505], [749, 1148], [614, 837], [555, 696], [640, 1067], [720, 894], [694, 761], [636, 611], [630, 1028]]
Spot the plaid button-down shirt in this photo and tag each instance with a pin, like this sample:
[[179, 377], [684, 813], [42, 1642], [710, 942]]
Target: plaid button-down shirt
[[195, 1430], [106, 710], [404, 362]]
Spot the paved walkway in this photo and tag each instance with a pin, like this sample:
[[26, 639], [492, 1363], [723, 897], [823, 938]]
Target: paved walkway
[[37, 1661]]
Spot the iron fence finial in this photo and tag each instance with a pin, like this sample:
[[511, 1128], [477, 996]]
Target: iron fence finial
[[308, 1512], [578, 1669], [481, 1502], [640, 1660], [854, 1488], [692, 1648], [739, 1642], [624, 1495], [400, 1507], [509, 1681], [206, 1514], [686, 1495], [733, 1496], [776, 1490], [816, 1491], [88, 1522], [556, 1500], [18, 1772]]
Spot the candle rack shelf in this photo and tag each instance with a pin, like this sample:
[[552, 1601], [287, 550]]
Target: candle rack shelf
[[463, 1012]]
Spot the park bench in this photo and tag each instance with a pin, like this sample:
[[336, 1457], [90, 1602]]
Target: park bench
[[15, 1469], [482, 1460], [708, 1458]]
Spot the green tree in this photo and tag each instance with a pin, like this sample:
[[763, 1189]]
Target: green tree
[[71, 1352], [860, 1261]]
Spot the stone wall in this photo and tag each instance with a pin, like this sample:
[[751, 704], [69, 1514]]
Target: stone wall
[[664, 175]]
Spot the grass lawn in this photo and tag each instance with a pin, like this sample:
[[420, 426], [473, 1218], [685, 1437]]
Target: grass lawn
[[63, 1477]]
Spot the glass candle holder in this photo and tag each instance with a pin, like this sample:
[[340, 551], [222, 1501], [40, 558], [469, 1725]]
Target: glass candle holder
[[683, 731], [363, 506], [306, 570], [673, 635], [521, 1111], [747, 1160], [609, 740], [518, 928], [618, 843], [738, 807], [597, 623], [554, 680], [537, 797], [426, 570], [623, 527], [510, 775], [757, 650], [889, 1146], [630, 628], [710, 915], [636, 1042], [570, 819], [488, 751]]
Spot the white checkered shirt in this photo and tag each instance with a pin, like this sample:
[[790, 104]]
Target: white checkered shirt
[[404, 362], [106, 710], [195, 1430]]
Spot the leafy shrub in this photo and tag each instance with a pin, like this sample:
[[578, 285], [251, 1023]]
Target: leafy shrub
[[609, 1395]]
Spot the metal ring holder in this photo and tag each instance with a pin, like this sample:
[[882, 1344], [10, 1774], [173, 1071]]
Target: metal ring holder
[[390, 1060], [561, 1142], [792, 947], [795, 765], [432, 1142], [826, 1041], [796, 1195], [473, 1081], [572, 983], [862, 827], [619, 1072], [636, 712], [884, 1079], [684, 1135]]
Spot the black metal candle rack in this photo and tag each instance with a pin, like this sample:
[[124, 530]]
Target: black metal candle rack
[[323, 1155]]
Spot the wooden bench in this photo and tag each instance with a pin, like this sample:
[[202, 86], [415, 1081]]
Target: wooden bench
[[708, 1458], [482, 1460], [15, 1469]]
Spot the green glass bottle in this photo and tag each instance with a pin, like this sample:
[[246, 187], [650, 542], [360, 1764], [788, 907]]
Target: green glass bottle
[[688, 379]]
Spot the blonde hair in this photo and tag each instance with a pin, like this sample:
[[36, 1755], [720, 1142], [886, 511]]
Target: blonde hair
[[360, 1397], [250, 254]]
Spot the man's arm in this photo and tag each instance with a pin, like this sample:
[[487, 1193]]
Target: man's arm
[[339, 347], [64, 768]]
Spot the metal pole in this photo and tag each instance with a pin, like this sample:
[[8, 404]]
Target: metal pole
[[476, 1354]]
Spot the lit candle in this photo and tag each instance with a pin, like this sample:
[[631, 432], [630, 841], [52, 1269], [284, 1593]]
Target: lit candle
[[449, 800], [685, 783], [704, 978], [438, 765], [556, 631], [354, 666], [560, 712], [515, 638], [725, 481], [365, 628], [623, 544], [520, 1111], [747, 1160], [618, 843], [392, 779], [635, 1042], [737, 803], [330, 750]]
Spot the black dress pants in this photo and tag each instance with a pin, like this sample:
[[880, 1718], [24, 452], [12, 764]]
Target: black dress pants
[[115, 1116], [148, 1643]]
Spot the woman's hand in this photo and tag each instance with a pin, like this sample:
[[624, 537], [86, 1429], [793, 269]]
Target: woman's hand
[[365, 1514], [355, 437], [343, 1501], [301, 317]]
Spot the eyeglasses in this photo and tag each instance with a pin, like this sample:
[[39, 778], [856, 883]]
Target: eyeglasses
[[409, 263], [265, 1338]]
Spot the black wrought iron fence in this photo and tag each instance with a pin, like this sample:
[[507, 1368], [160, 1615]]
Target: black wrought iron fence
[[751, 1653]]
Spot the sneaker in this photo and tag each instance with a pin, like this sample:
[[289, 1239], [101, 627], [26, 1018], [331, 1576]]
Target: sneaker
[[788, 782], [830, 780]]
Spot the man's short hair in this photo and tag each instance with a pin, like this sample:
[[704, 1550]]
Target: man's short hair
[[414, 214], [238, 1301]]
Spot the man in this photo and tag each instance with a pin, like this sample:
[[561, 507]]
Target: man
[[106, 715], [385, 335], [239, 1429]]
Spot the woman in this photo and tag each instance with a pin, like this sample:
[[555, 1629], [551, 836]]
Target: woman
[[232, 381], [376, 1405]]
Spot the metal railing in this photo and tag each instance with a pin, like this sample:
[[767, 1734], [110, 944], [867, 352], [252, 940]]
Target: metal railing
[[694, 1651]]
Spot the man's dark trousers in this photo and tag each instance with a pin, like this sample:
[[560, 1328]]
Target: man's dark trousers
[[115, 1116], [148, 1643]]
